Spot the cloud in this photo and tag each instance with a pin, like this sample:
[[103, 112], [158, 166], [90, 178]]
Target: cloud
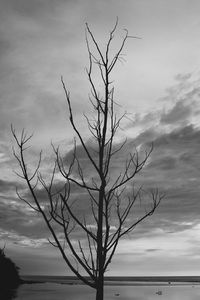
[[31, 66], [173, 168], [152, 250], [179, 113], [40, 40], [7, 186]]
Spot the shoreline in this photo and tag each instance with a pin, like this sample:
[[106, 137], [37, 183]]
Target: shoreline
[[114, 281]]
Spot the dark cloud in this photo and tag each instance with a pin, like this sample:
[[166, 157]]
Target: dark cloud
[[14, 211], [8, 186], [143, 120], [178, 150], [173, 167], [179, 113], [152, 250], [181, 110], [181, 143], [165, 163]]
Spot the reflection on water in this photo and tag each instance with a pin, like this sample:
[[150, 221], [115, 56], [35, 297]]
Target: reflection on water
[[53, 291], [8, 294]]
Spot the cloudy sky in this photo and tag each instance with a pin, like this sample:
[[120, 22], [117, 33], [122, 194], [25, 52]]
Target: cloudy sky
[[158, 85]]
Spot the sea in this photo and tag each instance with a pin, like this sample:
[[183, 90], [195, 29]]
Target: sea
[[123, 288]]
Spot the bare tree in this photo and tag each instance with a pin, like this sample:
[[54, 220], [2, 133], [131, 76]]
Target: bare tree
[[111, 206]]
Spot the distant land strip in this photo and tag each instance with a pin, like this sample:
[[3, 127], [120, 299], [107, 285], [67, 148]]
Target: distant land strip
[[113, 279]]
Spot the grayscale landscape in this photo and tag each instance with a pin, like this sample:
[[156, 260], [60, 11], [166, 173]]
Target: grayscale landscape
[[99, 149]]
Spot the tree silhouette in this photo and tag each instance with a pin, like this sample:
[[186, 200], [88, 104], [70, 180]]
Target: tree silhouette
[[112, 197], [9, 276]]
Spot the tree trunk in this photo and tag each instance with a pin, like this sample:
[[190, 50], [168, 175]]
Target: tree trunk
[[100, 252], [100, 288]]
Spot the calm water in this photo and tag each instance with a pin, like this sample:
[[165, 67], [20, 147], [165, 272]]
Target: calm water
[[54, 291]]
